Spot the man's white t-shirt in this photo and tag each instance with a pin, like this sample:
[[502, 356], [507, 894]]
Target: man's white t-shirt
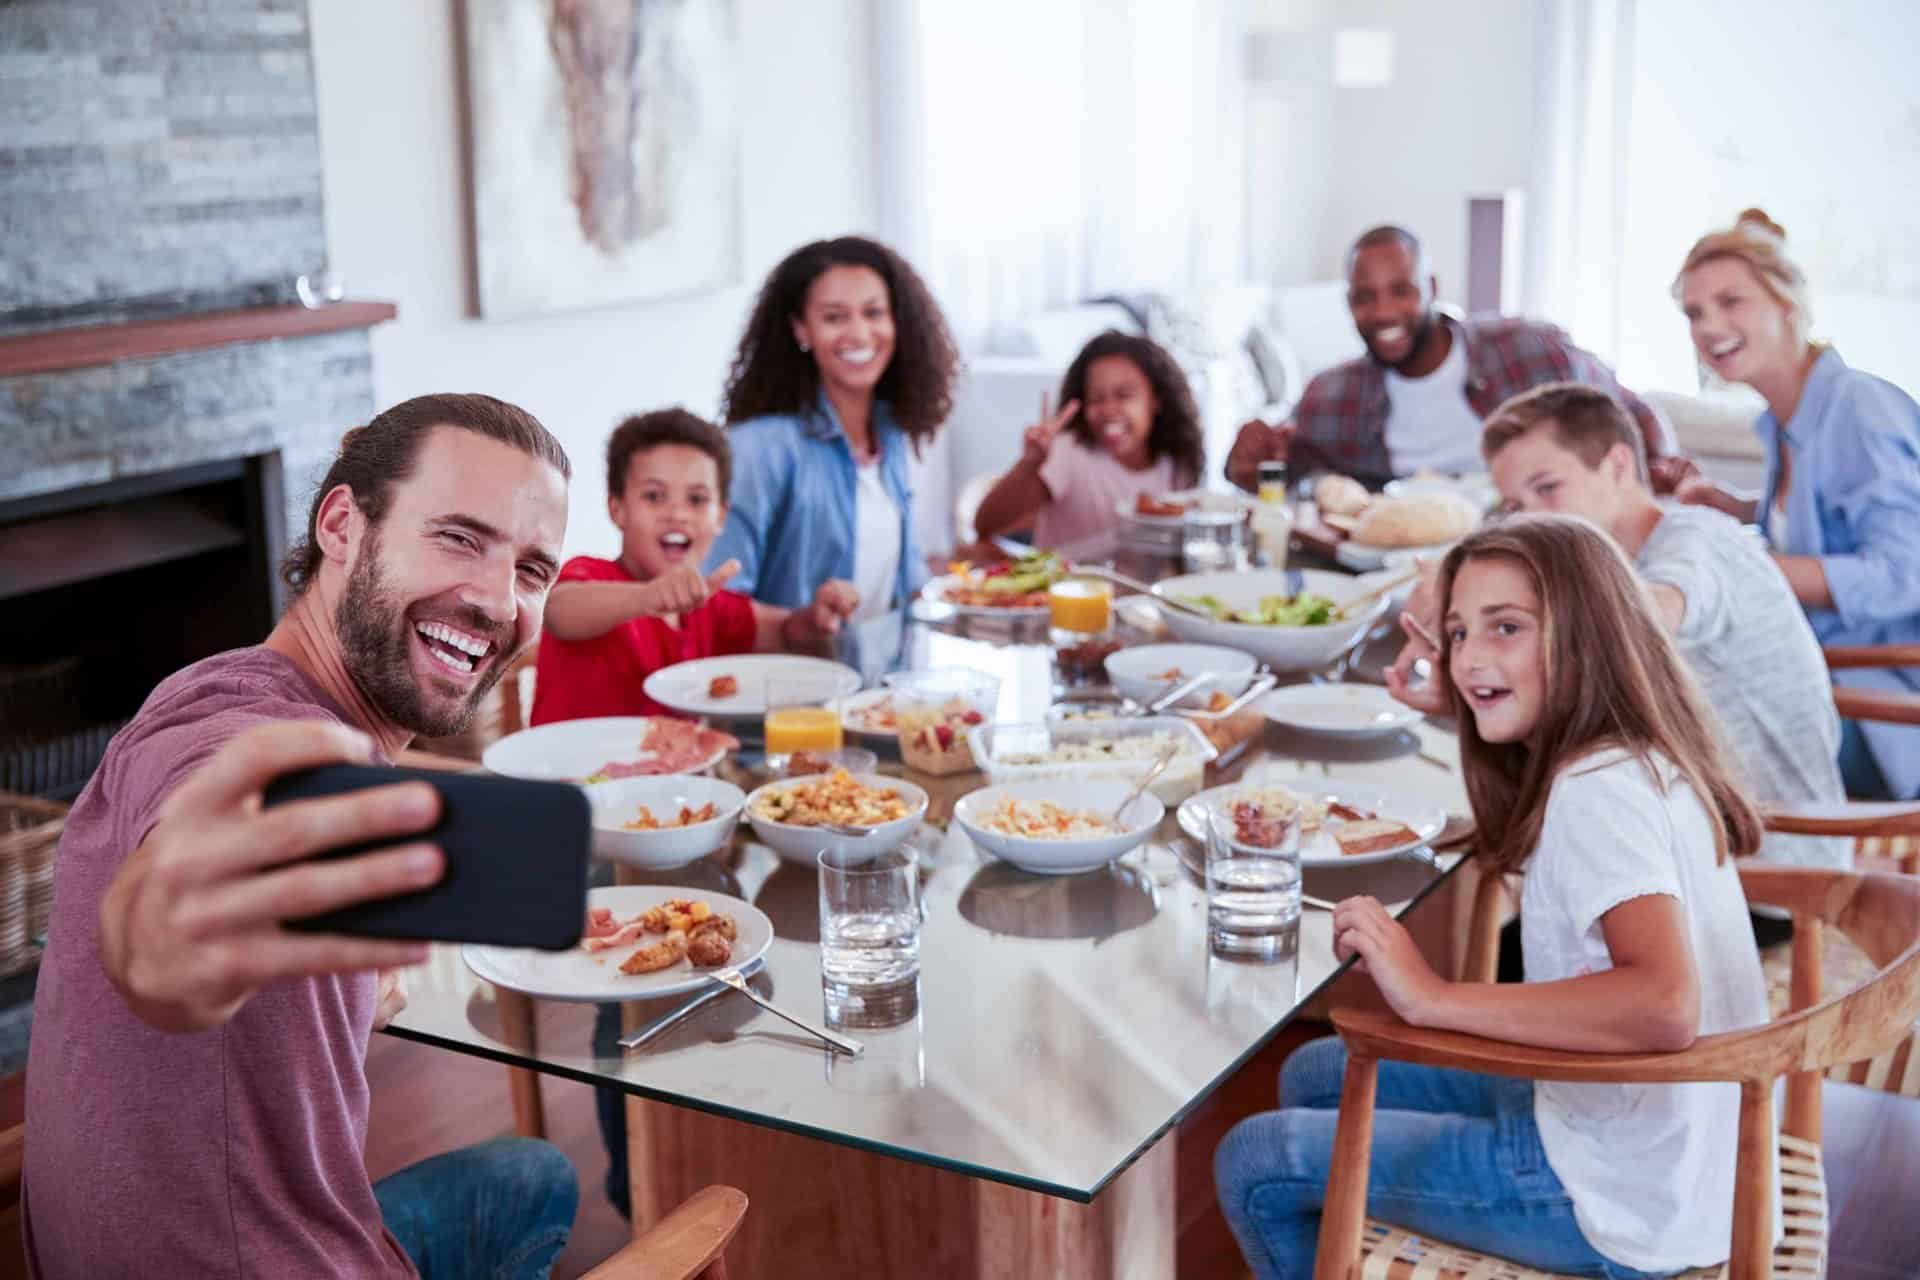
[[876, 542], [1430, 425], [1649, 1166]]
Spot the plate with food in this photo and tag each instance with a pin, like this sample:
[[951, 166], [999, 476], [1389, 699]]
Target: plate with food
[[1255, 612], [1477, 488], [1341, 823], [735, 686], [640, 942], [871, 714], [660, 823], [848, 812], [1007, 587], [1427, 522], [1058, 827], [1169, 510], [604, 748], [1339, 710], [1148, 671]]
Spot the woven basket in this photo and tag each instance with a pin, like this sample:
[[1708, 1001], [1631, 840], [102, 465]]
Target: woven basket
[[29, 834]]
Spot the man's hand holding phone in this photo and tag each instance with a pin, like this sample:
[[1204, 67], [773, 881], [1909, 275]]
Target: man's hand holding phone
[[193, 924]]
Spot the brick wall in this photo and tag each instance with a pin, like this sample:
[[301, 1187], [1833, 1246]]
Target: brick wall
[[163, 157], [157, 156]]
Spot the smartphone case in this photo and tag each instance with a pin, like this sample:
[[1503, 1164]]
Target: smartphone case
[[516, 858]]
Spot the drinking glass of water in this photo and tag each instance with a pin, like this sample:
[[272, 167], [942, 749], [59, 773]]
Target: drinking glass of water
[[1253, 880], [869, 920]]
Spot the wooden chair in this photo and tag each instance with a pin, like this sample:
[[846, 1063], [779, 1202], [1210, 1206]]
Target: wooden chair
[[1897, 853], [1879, 912], [687, 1243]]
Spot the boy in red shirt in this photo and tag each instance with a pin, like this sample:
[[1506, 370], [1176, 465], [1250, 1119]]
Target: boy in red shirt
[[612, 623]]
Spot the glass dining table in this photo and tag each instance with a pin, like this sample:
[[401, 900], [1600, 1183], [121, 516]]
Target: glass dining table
[[1014, 1113]]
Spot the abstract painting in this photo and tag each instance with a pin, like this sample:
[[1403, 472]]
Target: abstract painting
[[605, 151]]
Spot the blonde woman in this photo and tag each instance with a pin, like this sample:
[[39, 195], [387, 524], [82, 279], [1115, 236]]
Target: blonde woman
[[1841, 506]]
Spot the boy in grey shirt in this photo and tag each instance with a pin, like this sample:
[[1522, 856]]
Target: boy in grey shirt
[[1572, 449]]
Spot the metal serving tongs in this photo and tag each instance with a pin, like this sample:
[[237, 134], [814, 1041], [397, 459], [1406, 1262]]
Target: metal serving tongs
[[1119, 579], [1264, 680]]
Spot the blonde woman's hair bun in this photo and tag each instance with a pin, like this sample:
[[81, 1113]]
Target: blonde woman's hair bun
[[1756, 220]]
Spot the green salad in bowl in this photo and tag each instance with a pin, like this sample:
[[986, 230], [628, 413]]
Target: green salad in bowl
[[1304, 610]]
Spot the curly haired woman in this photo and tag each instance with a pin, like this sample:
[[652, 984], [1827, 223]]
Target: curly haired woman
[[845, 365]]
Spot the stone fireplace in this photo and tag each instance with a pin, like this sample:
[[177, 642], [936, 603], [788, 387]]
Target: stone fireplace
[[166, 406]]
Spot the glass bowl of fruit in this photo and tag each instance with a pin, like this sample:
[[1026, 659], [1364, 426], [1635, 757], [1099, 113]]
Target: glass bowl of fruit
[[936, 710]]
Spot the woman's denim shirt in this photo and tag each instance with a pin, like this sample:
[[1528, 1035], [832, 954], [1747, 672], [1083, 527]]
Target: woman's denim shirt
[[791, 522], [1854, 502]]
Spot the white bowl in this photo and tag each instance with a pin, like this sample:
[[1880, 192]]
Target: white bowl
[[1282, 648], [618, 802], [1134, 671], [1062, 857], [803, 844]]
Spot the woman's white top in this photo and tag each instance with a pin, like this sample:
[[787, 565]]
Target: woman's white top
[[876, 542]]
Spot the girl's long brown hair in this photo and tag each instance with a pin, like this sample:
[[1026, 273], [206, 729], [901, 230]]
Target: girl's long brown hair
[[1611, 677]]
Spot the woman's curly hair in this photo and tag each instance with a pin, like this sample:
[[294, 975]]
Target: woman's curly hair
[[1176, 423], [772, 375]]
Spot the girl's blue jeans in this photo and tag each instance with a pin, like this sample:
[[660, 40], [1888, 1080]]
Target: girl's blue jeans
[[1456, 1157]]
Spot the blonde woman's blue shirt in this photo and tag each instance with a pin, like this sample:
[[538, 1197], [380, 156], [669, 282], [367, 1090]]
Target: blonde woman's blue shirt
[[1853, 501], [791, 518]]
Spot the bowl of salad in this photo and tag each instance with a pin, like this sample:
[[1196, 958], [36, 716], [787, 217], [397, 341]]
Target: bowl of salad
[[1010, 586], [1253, 612]]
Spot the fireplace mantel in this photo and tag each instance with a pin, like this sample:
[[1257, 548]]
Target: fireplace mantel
[[51, 350]]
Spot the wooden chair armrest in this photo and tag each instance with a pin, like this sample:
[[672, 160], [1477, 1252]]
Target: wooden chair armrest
[[1840, 656], [1856, 818], [1876, 704], [682, 1244], [1757, 1054], [414, 758]]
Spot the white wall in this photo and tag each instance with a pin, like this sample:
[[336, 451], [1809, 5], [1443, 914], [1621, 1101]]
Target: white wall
[[391, 127], [1455, 121]]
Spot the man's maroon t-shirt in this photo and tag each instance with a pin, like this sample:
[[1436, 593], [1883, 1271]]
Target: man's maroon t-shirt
[[576, 679], [237, 1151]]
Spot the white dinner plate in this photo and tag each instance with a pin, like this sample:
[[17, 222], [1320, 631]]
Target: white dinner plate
[[1364, 556], [1318, 849], [936, 592], [579, 974], [571, 750], [1339, 710], [683, 686], [1477, 488], [1209, 501], [852, 713]]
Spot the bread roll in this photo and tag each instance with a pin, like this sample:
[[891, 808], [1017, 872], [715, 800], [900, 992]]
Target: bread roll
[[1371, 836], [1416, 520], [1340, 496]]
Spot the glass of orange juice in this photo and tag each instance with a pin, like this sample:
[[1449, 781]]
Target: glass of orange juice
[[802, 715], [1080, 606]]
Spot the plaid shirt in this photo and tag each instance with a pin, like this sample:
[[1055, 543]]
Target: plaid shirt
[[1340, 423]]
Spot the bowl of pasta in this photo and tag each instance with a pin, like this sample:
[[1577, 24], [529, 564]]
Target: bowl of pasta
[[1058, 826], [847, 812]]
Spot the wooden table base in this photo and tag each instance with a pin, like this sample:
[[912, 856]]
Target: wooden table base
[[826, 1210]]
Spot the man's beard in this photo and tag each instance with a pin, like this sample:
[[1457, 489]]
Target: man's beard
[[375, 641], [1422, 330]]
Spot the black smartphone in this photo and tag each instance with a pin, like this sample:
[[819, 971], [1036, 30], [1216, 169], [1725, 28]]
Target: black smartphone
[[516, 857]]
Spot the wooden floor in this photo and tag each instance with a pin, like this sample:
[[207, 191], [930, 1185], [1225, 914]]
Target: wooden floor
[[427, 1100]]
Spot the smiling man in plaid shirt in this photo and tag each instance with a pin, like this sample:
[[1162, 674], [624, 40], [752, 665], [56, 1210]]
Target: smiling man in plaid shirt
[[1415, 401]]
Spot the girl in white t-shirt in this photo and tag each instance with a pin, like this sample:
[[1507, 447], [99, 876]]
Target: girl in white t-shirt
[[1594, 764], [1127, 428]]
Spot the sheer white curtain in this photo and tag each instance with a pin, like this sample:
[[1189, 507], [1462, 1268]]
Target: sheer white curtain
[[1578, 194], [1037, 152]]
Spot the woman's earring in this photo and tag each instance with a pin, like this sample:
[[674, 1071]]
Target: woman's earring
[[803, 344]]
